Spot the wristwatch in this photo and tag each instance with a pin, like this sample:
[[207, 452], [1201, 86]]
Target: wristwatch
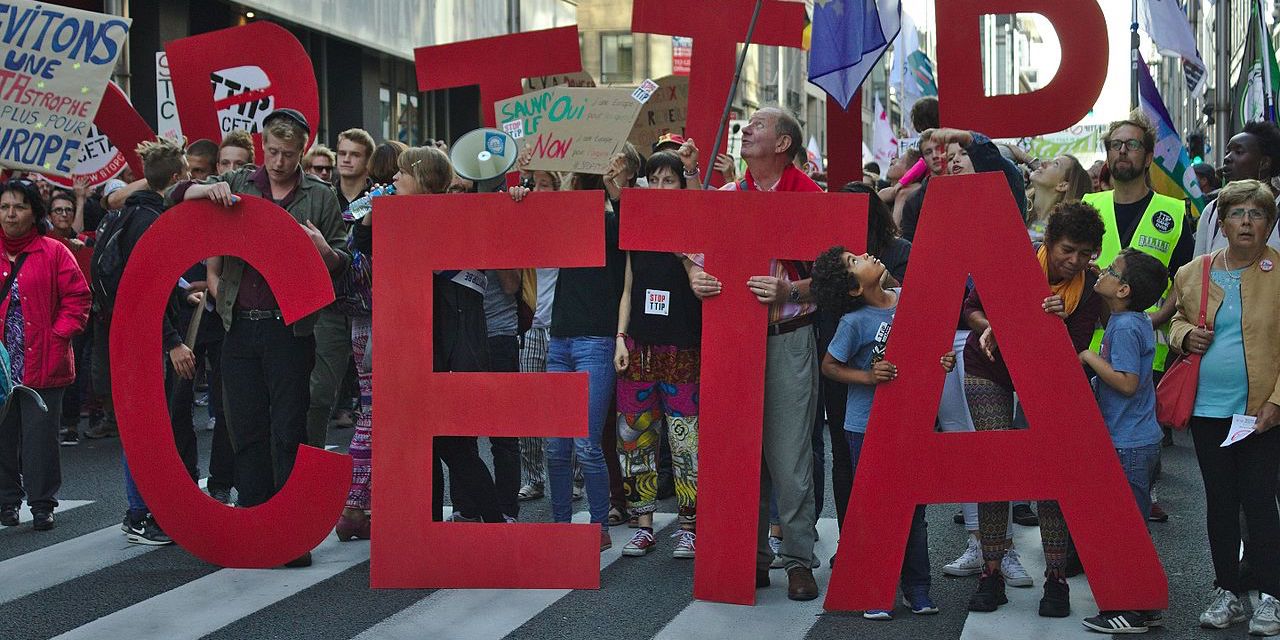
[[794, 296]]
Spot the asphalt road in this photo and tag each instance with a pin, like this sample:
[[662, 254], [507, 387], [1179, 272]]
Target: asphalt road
[[83, 580]]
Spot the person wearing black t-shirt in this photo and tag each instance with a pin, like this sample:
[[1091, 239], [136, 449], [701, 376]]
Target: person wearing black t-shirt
[[657, 357]]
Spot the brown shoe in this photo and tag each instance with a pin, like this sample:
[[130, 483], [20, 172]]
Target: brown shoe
[[606, 542], [800, 583]]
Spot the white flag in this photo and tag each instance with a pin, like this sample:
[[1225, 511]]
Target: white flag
[[1166, 24], [815, 155], [883, 143], [907, 42]]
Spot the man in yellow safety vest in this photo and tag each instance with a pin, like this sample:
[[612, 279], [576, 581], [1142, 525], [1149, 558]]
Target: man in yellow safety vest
[[1139, 218]]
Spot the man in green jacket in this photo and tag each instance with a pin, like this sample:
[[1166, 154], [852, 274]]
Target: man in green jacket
[[266, 365]]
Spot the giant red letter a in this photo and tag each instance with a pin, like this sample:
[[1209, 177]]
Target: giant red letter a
[[1066, 455]]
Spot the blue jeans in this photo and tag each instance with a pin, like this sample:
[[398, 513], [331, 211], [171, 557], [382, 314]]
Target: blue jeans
[[1139, 464], [137, 507], [594, 355], [915, 566]]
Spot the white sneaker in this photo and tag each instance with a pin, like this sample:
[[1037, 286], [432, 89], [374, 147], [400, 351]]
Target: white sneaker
[[684, 544], [212, 424], [1011, 567], [969, 563], [775, 545], [1266, 618], [1224, 611]]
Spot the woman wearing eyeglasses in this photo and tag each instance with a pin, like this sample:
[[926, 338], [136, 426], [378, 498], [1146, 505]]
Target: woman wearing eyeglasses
[[1239, 375], [44, 303], [67, 218]]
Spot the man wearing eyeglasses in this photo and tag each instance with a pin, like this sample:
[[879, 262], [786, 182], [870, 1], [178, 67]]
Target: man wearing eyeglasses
[[1137, 217]]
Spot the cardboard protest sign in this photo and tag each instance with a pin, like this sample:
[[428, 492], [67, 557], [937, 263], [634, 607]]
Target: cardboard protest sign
[[57, 61], [232, 78], [578, 79], [570, 129], [304, 510], [986, 240], [665, 112], [101, 158], [486, 231], [739, 232]]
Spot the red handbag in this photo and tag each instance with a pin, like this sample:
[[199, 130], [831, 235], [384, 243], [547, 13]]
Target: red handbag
[[1176, 393]]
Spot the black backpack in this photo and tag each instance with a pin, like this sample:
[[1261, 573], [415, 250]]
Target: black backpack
[[108, 261]]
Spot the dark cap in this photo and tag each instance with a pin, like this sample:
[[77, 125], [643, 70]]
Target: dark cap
[[293, 115]]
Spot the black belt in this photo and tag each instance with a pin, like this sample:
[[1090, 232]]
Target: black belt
[[791, 325], [260, 314]]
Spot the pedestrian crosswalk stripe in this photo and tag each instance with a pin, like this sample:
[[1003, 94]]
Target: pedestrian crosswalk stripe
[[487, 613], [1023, 610], [774, 616], [24, 514], [207, 604]]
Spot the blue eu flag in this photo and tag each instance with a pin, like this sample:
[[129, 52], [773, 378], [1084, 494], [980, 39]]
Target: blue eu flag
[[849, 37]]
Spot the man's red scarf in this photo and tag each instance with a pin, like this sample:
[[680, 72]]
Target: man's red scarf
[[792, 179]]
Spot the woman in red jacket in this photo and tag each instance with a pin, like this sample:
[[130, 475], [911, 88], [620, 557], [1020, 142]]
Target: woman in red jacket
[[43, 307]]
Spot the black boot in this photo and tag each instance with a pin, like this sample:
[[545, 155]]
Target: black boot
[[990, 593], [1056, 602]]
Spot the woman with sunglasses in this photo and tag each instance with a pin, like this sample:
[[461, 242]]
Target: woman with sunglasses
[[45, 304]]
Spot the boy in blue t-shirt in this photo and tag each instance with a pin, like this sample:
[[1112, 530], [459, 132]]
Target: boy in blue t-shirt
[[1126, 394], [852, 285]]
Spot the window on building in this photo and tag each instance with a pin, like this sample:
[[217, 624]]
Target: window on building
[[384, 115], [616, 61]]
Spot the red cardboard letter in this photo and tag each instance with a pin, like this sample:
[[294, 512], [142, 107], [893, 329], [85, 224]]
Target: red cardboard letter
[[1066, 455], [844, 143], [1082, 30], [300, 516], [716, 28], [123, 126], [262, 44], [498, 64], [481, 232], [733, 344]]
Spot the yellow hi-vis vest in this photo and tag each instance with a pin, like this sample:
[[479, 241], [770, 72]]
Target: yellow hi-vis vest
[[1156, 235]]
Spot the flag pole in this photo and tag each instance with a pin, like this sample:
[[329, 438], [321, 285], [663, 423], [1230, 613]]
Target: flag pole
[[1134, 43], [733, 92], [1269, 99]]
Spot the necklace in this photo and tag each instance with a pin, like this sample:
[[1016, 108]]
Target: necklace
[[1230, 271]]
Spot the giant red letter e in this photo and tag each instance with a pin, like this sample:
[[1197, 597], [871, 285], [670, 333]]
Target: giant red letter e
[[413, 405], [1066, 454]]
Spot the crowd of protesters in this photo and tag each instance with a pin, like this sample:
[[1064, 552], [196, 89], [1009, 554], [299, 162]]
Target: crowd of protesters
[[1127, 269]]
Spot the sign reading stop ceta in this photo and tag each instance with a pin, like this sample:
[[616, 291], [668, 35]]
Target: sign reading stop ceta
[[1124, 576]]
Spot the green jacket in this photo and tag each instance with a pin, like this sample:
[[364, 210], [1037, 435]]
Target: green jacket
[[316, 201]]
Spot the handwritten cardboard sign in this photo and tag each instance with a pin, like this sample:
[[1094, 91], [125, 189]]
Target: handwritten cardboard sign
[[56, 64], [665, 112], [571, 128], [576, 79]]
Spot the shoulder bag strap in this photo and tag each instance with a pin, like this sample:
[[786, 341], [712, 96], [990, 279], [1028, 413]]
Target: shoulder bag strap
[[13, 275], [1204, 289]]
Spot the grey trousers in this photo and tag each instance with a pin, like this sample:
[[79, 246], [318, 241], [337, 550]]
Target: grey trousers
[[790, 402], [333, 354], [30, 463]]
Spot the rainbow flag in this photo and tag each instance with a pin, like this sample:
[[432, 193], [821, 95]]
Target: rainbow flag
[[1171, 172]]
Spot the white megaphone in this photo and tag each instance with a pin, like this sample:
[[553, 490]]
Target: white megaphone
[[484, 154]]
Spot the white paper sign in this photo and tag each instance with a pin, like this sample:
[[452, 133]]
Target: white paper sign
[[1241, 428], [657, 302]]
